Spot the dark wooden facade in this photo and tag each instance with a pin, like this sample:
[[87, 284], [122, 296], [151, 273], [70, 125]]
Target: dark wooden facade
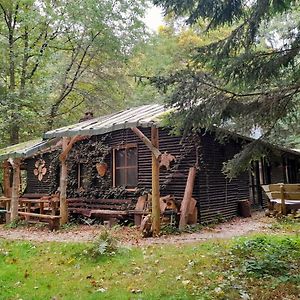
[[216, 196]]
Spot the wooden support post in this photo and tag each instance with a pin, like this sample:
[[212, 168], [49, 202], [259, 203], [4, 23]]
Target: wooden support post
[[155, 185], [283, 206], [15, 189], [6, 179], [63, 184], [153, 148], [258, 187], [188, 193]]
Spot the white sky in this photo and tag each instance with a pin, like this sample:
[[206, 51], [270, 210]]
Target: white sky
[[154, 18]]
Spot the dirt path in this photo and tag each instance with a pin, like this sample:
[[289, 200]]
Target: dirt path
[[131, 236]]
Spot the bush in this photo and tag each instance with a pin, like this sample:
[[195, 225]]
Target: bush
[[267, 256], [104, 245]]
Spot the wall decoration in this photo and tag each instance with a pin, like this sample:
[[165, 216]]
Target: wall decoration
[[40, 169], [101, 168]]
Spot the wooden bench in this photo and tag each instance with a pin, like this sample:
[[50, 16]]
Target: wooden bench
[[105, 208], [53, 221], [287, 196]]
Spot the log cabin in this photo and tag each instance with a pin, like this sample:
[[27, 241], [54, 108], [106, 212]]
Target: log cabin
[[108, 164]]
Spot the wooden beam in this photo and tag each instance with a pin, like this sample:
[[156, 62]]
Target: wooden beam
[[188, 193], [74, 139], [6, 179], [283, 206], [155, 184], [63, 183], [148, 143], [16, 163]]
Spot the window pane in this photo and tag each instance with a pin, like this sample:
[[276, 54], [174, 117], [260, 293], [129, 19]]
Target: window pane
[[120, 157], [131, 177], [120, 177], [131, 157]]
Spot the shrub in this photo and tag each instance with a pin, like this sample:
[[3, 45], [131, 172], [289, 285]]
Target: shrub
[[265, 256], [104, 245]]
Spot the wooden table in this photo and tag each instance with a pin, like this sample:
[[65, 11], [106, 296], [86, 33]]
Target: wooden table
[[6, 201], [42, 204]]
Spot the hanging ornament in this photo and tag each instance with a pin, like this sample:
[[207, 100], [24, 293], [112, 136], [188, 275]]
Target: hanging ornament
[[101, 168], [40, 169]]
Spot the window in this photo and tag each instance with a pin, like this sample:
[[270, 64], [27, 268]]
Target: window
[[125, 170], [81, 176]]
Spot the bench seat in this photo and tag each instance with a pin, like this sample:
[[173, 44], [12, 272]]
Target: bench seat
[[106, 208], [52, 220]]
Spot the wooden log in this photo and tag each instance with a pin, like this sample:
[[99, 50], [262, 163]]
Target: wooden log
[[68, 147], [155, 185], [192, 212], [6, 179], [63, 185], [140, 206], [153, 148], [15, 189], [184, 209], [283, 206]]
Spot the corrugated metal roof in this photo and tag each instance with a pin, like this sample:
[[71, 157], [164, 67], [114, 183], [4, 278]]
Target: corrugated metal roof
[[27, 149], [144, 116]]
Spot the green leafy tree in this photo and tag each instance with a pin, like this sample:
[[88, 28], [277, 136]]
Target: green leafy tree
[[247, 78], [54, 53]]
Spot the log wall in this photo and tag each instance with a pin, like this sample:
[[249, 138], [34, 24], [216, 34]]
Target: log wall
[[216, 196], [33, 184]]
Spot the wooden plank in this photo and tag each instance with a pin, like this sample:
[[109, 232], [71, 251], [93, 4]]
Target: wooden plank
[[34, 196], [287, 188], [155, 184], [108, 212], [282, 197], [286, 195], [42, 216], [184, 209], [140, 206], [101, 200]]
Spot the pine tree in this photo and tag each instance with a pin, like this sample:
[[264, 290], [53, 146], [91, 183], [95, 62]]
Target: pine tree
[[249, 78]]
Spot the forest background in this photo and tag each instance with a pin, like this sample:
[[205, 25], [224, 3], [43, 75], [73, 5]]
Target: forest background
[[60, 59]]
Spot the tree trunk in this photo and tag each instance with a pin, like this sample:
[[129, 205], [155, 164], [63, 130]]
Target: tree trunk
[[15, 190], [155, 185], [63, 186], [188, 193]]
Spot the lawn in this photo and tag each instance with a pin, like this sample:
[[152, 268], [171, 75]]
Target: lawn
[[256, 267]]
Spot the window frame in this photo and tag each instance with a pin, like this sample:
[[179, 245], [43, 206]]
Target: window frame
[[114, 167], [80, 167]]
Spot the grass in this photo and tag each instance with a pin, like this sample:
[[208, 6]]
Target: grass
[[287, 224], [257, 267]]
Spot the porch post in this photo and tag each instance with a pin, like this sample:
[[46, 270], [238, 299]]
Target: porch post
[[6, 179], [63, 184], [15, 189], [155, 184]]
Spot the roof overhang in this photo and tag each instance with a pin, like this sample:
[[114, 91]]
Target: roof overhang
[[28, 149]]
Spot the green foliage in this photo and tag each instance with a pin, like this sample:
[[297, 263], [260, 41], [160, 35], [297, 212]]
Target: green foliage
[[56, 60], [263, 256], [245, 79], [104, 245], [16, 223]]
